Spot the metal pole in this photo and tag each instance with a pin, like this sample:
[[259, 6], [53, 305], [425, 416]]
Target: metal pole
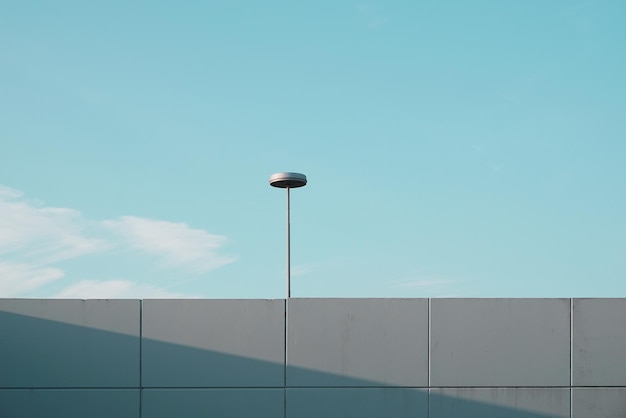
[[288, 248], [288, 181]]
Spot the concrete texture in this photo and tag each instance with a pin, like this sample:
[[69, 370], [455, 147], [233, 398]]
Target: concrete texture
[[500, 342], [357, 342], [219, 403], [213, 343], [599, 403], [499, 402], [357, 403], [69, 403], [69, 343], [599, 342]]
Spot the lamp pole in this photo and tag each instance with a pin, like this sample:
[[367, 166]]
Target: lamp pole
[[288, 181]]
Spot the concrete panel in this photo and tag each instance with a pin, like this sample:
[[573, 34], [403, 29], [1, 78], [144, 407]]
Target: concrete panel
[[500, 342], [599, 342], [499, 402], [222, 403], [69, 343], [598, 402], [357, 342], [213, 343], [357, 403], [69, 403]]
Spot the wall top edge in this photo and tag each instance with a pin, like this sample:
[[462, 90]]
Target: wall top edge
[[312, 298]]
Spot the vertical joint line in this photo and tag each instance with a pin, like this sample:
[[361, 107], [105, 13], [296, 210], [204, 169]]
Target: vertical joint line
[[140, 356], [571, 356], [285, 360], [428, 354], [429, 339]]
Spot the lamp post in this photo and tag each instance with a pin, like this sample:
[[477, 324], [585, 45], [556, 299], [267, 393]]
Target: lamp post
[[288, 181]]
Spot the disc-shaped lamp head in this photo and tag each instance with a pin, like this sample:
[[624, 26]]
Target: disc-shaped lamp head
[[287, 180]]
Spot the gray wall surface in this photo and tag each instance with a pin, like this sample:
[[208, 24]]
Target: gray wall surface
[[305, 358], [500, 342]]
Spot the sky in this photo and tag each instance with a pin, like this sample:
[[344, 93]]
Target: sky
[[452, 148]]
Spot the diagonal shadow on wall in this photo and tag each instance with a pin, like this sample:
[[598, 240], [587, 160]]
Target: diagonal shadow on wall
[[51, 368]]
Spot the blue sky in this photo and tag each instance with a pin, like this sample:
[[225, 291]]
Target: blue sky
[[453, 148]]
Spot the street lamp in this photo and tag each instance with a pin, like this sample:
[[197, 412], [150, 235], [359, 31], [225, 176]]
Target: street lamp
[[288, 181]]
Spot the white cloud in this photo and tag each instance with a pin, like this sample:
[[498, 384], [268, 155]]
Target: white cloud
[[9, 193], [114, 289], [16, 279], [431, 285], [35, 238], [46, 234], [176, 244]]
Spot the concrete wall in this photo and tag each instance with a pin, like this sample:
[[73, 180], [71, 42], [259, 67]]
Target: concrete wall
[[440, 358]]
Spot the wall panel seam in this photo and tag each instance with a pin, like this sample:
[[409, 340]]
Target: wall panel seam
[[140, 358], [428, 354], [285, 341], [571, 357]]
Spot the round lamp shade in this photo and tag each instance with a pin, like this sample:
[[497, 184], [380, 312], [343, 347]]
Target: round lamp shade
[[287, 180]]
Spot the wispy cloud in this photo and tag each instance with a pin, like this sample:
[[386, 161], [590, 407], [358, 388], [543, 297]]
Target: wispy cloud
[[176, 244], [430, 285], [115, 289], [17, 279], [46, 234], [9, 193], [35, 238]]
